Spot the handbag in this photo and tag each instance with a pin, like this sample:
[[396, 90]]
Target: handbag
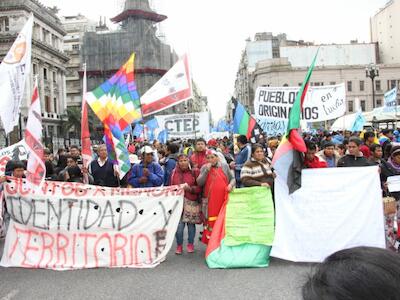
[[191, 212], [389, 206]]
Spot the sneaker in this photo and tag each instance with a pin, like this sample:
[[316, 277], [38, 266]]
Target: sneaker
[[178, 250], [190, 248]]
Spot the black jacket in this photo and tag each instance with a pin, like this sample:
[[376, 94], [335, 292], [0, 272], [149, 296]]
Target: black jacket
[[353, 161], [386, 171]]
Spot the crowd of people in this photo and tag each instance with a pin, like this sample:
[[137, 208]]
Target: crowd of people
[[209, 170]]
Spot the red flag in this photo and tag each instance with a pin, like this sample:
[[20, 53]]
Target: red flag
[[36, 170], [85, 134]]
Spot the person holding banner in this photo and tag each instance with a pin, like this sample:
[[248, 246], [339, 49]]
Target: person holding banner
[[183, 174], [217, 180], [355, 157], [147, 173], [104, 172], [257, 171], [388, 169]]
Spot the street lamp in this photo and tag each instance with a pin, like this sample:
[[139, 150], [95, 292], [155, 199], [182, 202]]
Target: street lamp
[[372, 71]]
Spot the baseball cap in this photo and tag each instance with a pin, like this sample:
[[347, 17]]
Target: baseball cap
[[147, 150]]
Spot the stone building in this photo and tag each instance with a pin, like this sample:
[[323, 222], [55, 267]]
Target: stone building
[[48, 62]]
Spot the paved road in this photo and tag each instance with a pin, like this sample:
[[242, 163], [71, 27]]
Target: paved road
[[179, 277]]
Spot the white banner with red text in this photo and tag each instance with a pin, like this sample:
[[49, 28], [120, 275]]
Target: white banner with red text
[[67, 226]]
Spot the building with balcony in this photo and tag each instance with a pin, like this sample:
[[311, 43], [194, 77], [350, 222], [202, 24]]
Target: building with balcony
[[48, 62]]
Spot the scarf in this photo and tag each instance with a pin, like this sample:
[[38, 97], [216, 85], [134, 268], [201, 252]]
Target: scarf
[[393, 164]]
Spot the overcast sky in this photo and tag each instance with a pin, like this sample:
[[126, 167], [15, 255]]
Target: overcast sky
[[213, 32]]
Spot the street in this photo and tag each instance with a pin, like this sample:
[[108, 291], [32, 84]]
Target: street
[[179, 277]]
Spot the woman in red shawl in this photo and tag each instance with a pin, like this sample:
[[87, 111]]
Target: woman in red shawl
[[217, 180]]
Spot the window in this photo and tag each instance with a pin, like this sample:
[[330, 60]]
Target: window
[[300, 83], [378, 102], [351, 106], [75, 47], [378, 85], [55, 104], [349, 86], [54, 77], [34, 69], [47, 104], [44, 73], [4, 24], [362, 85], [332, 83], [362, 105], [391, 84]]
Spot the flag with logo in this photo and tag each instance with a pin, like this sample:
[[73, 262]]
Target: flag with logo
[[173, 88], [36, 170], [14, 71], [116, 103]]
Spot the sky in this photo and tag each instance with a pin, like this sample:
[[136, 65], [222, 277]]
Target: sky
[[213, 32]]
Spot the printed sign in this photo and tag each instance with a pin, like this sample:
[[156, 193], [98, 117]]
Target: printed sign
[[390, 100], [73, 226], [272, 106], [18, 151], [185, 125]]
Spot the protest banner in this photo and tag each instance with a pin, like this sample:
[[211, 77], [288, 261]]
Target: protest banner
[[18, 151], [184, 125], [333, 210], [68, 225], [272, 105], [390, 101]]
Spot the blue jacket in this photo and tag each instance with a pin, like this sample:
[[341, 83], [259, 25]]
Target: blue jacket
[[243, 156], [155, 178], [169, 166]]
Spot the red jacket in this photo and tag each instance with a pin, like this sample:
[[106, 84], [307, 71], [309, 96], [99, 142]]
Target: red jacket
[[198, 159], [189, 176], [315, 163]]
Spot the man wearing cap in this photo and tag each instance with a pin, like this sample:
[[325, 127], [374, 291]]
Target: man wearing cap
[[147, 173]]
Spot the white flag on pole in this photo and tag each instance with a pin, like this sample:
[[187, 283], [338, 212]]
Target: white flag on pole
[[173, 88], [14, 70]]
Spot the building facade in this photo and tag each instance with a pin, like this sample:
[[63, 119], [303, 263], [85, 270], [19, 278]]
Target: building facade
[[75, 27], [280, 72], [265, 46], [48, 62], [385, 30]]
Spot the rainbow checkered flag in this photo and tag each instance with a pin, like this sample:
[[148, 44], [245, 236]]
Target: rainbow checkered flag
[[116, 103]]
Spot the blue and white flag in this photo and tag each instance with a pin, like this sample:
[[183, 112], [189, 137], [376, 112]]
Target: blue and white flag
[[390, 101], [152, 124], [163, 136], [359, 122], [138, 131]]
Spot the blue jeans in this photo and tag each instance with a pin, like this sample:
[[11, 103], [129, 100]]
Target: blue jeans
[[191, 233]]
